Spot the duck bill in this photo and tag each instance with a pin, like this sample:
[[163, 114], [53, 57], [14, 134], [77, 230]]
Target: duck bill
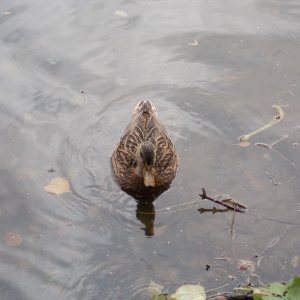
[[148, 175]]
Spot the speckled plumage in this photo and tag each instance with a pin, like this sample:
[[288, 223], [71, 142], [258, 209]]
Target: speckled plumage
[[144, 126]]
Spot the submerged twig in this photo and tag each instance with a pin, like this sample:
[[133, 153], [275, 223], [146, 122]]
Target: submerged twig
[[170, 209], [212, 210], [277, 119], [297, 128], [275, 241], [231, 226]]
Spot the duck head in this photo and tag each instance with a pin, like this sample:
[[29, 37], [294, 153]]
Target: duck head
[[145, 156]]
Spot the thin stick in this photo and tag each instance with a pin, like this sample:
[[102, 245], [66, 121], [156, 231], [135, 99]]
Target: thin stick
[[277, 119], [241, 208]]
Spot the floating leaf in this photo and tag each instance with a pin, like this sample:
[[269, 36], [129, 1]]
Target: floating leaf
[[53, 60], [243, 144], [255, 183], [12, 239], [275, 288], [194, 44], [263, 293], [77, 100], [162, 297], [121, 13], [287, 285], [58, 185], [264, 297], [154, 288], [294, 291], [189, 292]]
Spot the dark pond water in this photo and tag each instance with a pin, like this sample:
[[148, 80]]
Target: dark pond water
[[214, 69]]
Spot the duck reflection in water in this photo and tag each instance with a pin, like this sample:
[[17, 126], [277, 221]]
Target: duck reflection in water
[[145, 213], [145, 162]]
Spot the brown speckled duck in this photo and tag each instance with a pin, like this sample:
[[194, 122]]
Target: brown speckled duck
[[144, 162]]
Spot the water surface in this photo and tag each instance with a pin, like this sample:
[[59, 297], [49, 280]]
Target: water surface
[[72, 72]]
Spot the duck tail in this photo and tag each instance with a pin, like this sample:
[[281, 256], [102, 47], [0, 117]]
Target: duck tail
[[145, 107]]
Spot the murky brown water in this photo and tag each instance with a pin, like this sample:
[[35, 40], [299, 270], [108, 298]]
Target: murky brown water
[[91, 243]]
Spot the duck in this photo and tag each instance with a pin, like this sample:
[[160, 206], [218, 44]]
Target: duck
[[145, 161]]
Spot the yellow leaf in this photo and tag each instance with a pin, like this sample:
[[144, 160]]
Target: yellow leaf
[[121, 13], [6, 13], [58, 185], [77, 100]]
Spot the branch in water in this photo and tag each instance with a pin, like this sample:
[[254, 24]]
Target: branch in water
[[229, 203]]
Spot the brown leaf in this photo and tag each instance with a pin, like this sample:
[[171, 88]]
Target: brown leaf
[[246, 265], [12, 239], [243, 144], [194, 44], [230, 78], [254, 182], [58, 185]]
